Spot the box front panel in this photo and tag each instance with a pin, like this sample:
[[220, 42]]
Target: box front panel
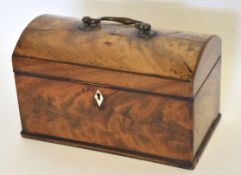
[[125, 120]]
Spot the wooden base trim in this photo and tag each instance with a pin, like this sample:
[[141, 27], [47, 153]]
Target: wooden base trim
[[186, 164]]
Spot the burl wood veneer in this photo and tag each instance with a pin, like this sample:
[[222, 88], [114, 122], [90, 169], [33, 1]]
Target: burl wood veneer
[[161, 94]]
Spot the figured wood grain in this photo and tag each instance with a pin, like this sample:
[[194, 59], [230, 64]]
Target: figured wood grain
[[102, 77], [169, 54], [187, 164], [131, 121], [161, 95]]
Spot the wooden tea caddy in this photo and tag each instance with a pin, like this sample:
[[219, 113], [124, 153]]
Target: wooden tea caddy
[[121, 88]]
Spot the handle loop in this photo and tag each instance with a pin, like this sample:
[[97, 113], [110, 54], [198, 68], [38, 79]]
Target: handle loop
[[144, 29]]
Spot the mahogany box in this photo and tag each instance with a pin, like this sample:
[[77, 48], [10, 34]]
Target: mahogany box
[[119, 87]]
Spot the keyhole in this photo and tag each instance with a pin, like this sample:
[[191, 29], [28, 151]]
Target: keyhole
[[98, 96]]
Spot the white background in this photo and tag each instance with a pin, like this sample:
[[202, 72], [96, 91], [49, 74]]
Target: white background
[[20, 156]]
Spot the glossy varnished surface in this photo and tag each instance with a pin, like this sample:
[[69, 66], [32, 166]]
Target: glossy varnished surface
[[130, 121], [102, 77], [169, 54], [161, 95]]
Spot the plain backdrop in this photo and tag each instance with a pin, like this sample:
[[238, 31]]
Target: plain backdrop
[[20, 156]]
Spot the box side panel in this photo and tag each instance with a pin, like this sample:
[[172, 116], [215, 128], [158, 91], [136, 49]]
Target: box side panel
[[208, 58], [206, 105], [132, 121]]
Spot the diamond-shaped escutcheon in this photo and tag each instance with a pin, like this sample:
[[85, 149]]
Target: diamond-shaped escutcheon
[[99, 97]]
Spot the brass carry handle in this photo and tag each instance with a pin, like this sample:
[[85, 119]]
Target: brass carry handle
[[144, 29]]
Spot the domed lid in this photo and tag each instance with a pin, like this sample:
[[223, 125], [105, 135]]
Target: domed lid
[[169, 54]]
